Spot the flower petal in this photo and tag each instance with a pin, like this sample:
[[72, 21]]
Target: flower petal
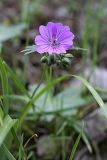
[[58, 50], [61, 50], [42, 48], [50, 50], [44, 32], [52, 30], [65, 33], [67, 41], [67, 46], [39, 40]]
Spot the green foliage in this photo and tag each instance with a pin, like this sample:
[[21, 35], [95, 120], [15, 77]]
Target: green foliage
[[9, 32], [48, 106], [45, 105], [30, 9], [4, 79], [29, 49], [63, 110], [8, 123], [7, 153], [51, 84], [75, 146]]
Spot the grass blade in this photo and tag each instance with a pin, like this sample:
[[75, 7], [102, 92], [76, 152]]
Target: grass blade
[[7, 153], [4, 80], [17, 81], [79, 49], [1, 116], [8, 123], [94, 93], [75, 146], [19, 144], [53, 83]]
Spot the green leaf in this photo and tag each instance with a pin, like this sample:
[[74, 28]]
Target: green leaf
[[77, 127], [1, 116], [17, 81], [21, 154], [49, 106], [8, 123], [29, 49], [94, 93], [79, 49], [8, 32], [7, 153], [4, 79], [19, 143], [75, 146], [53, 83]]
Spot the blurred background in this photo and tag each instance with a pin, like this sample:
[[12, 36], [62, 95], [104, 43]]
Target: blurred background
[[57, 132]]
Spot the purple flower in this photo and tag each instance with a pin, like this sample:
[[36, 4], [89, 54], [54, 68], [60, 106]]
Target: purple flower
[[54, 38]]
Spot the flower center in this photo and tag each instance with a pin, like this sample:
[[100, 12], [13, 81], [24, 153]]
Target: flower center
[[54, 42]]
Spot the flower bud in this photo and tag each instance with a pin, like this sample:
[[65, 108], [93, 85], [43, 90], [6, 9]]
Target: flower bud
[[44, 59], [68, 55], [66, 61]]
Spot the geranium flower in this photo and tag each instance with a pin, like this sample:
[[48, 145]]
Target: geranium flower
[[54, 38]]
